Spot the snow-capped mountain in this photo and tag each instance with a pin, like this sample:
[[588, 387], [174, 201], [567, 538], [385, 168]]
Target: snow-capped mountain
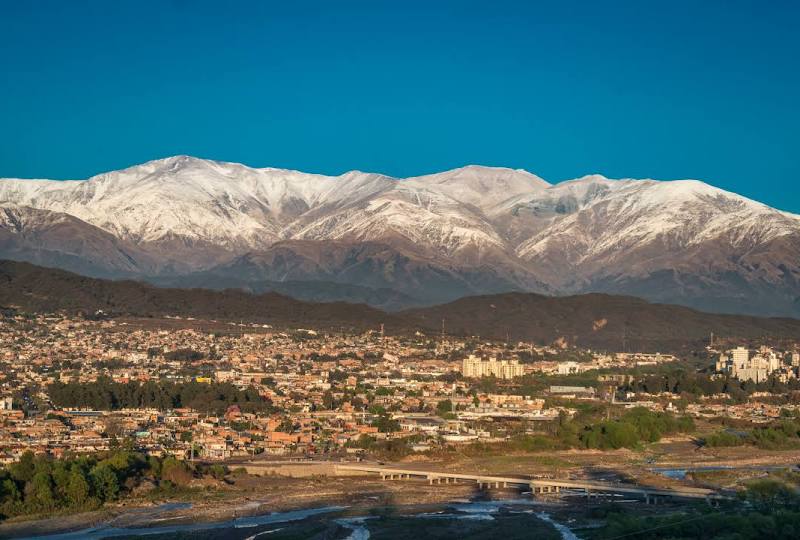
[[435, 237]]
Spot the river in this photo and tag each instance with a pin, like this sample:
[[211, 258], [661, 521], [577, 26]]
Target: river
[[358, 526]]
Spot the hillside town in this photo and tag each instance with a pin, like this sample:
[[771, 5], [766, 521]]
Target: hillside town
[[74, 385]]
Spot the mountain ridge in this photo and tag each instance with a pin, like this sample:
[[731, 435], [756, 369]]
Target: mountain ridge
[[462, 232]]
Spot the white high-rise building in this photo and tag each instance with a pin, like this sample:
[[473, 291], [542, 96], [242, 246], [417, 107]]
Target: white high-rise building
[[757, 368], [740, 356], [476, 367]]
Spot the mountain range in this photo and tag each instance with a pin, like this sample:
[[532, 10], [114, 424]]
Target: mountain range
[[599, 321], [394, 243]]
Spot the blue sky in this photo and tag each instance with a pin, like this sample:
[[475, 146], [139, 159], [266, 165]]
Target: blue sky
[[666, 90]]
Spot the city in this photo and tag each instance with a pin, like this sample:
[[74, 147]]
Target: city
[[256, 399], [359, 270], [67, 387]]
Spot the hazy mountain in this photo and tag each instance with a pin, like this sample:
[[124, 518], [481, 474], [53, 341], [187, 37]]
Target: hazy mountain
[[433, 238]]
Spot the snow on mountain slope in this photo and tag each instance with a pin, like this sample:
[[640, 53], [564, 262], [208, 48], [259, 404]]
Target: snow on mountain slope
[[220, 203], [482, 187], [438, 213], [656, 238], [481, 225], [241, 208], [599, 215], [58, 239]]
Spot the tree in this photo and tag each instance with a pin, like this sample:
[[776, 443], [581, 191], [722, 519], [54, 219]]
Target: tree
[[39, 492], [154, 466], [770, 495], [620, 435], [105, 481], [176, 471], [60, 476], [23, 470], [386, 424], [11, 497], [328, 402], [444, 407], [77, 488], [217, 471]]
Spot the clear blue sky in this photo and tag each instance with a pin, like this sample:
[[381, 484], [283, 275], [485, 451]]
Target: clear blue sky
[[674, 89]]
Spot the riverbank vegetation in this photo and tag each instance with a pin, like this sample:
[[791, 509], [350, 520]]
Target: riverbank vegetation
[[589, 430], [766, 509], [780, 435], [43, 485]]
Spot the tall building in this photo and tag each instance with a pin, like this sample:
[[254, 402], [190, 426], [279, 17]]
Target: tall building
[[740, 356], [757, 368], [476, 367]]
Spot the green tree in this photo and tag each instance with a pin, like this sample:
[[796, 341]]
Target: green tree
[[105, 482], [217, 471], [23, 470], [444, 407], [39, 492], [328, 402], [770, 495], [77, 489]]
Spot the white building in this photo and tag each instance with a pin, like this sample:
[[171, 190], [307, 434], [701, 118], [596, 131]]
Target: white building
[[738, 363], [569, 368], [476, 367]]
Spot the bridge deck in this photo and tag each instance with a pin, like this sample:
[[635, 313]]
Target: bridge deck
[[681, 492]]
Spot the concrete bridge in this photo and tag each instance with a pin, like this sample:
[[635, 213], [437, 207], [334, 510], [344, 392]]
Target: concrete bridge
[[536, 485]]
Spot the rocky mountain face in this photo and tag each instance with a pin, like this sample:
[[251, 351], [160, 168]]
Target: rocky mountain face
[[430, 239]]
